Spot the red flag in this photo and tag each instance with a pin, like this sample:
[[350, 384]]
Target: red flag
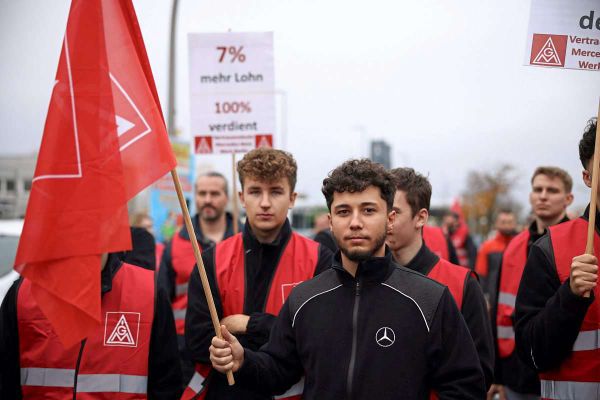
[[104, 141]]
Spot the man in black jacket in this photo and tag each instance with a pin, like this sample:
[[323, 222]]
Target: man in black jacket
[[365, 328], [251, 273]]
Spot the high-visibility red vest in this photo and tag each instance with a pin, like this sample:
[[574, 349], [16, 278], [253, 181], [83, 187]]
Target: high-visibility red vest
[[513, 264], [578, 376], [112, 363], [453, 276], [297, 264], [436, 241], [182, 261]]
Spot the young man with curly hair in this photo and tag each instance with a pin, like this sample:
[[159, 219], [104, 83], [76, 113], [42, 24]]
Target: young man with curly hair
[[252, 273], [366, 328]]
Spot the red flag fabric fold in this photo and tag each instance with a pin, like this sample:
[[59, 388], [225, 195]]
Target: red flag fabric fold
[[104, 141]]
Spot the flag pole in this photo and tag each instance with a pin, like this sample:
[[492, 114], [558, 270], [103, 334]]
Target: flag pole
[[200, 265], [589, 248], [236, 210]]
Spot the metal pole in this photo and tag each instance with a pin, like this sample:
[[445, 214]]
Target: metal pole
[[172, 64]]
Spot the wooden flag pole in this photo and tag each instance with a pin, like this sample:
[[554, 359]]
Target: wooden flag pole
[[190, 229], [236, 208], [589, 248]]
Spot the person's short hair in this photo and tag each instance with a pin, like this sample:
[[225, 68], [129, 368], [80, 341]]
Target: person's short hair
[[214, 174], [416, 187], [356, 176], [268, 165], [555, 172], [587, 142], [504, 210]]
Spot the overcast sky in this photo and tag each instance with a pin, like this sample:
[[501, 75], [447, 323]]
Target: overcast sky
[[442, 81]]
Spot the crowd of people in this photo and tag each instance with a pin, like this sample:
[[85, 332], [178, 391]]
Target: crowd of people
[[380, 304]]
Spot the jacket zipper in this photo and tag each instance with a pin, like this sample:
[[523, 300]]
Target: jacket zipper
[[77, 368], [350, 378]]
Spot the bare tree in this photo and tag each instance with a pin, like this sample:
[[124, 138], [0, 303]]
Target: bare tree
[[486, 193]]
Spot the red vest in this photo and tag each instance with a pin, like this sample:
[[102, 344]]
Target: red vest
[[182, 261], [578, 376], [297, 264], [111, 364], [513, 264], [452, 276], [436, 241]]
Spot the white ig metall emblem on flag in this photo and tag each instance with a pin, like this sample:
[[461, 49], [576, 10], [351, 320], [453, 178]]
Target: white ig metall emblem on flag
[[121, 333]]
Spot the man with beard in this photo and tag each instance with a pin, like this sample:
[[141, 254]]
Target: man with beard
[[211, 224], [366, 328], [252, 273]]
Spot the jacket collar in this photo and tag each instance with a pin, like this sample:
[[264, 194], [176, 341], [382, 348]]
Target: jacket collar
[[373, 270], [586, 215], [424, 261], [251, 242], [113, 263]]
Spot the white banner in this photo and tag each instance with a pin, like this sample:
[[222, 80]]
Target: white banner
[[232, 88], [564, 34]]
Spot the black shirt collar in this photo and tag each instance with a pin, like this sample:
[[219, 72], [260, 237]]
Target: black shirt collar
[[424, 261], [533, 228], [373, 270], [113, 263], [251, 242], [586, 215]]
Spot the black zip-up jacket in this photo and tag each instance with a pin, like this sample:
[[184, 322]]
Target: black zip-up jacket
[[389, 333], [474, 311], [512, 371], [548, 314], [260, 263], [164, 373]]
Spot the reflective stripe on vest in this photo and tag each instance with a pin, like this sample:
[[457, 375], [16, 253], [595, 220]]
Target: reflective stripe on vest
[[90, 383], [565, 390], [182, 261], [507, 299], [511, 271], [113, 359], [578, 375], [452, 276]]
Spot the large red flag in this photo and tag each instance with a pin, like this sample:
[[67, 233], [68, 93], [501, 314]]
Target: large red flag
[[104, 141]]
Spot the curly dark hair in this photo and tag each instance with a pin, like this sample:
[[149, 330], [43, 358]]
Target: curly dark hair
[[416, 187], [268, 165], [587, 142], [357, 175]]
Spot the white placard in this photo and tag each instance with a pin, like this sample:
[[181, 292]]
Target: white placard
[[564, 34], [232, 91]]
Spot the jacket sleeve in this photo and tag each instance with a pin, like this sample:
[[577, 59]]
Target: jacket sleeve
[[276, 366], [164, 369], [548, 315], [260, 324], [199, 329], [475, 313], [455, 370], [166, 274], [10, 376]]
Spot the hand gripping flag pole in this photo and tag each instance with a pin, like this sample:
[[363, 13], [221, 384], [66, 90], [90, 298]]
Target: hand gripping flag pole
[[589, 248], [199, 263]]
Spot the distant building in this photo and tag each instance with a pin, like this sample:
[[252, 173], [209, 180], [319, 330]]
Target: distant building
[[16, 174], [380, 153]]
